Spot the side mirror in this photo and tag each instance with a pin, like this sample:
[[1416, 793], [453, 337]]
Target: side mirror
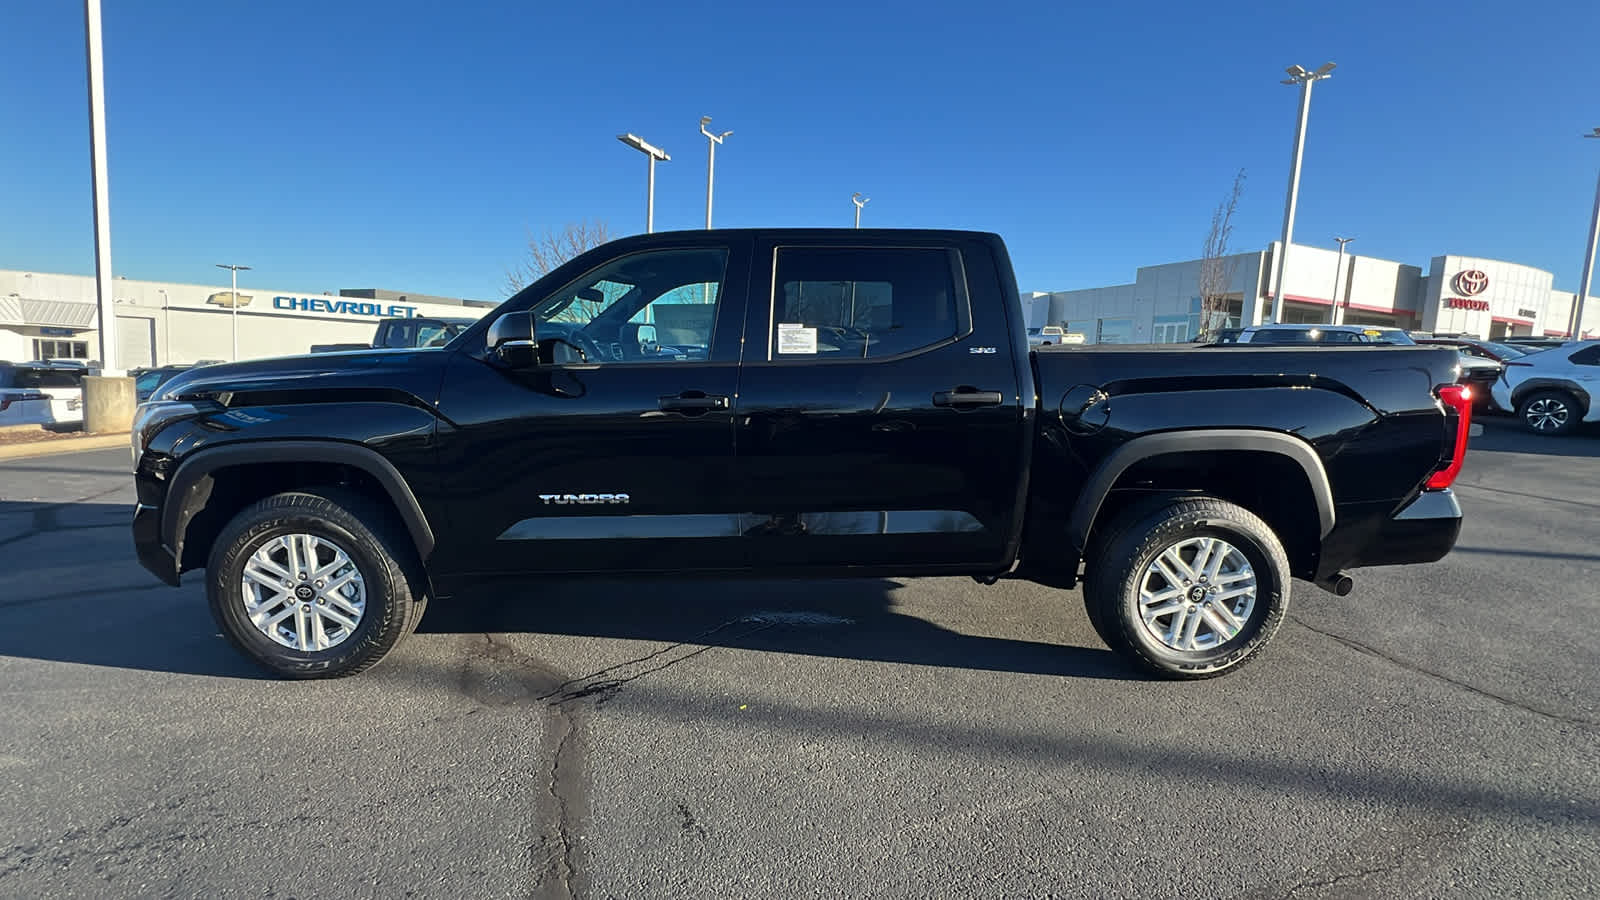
[[649, 345], [512, 340]]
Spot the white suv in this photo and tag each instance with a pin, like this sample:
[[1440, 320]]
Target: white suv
[[1553, 390], [40, 393]]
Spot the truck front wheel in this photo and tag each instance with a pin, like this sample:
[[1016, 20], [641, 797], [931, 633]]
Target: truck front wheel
[[315, 584], [1188, 589]]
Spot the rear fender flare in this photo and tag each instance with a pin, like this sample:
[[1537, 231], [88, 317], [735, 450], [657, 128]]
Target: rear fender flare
[[191, 483], [1099, 485]]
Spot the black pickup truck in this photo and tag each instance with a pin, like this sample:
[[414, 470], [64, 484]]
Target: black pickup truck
[[798, 403]]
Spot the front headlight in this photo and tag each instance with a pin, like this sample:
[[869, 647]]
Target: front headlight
[[154, 415]]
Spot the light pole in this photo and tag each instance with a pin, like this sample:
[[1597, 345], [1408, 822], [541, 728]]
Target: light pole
[[166, 326], [859, 201], [106, 315], [712, 140], [1576, 331], [653, 153], [235, 304], [1336, 309], [1297, 75]]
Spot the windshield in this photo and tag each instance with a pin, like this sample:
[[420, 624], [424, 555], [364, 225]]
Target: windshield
[[149, 381]]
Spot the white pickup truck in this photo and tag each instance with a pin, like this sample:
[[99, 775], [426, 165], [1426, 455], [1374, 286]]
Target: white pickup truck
[[1044, 337]]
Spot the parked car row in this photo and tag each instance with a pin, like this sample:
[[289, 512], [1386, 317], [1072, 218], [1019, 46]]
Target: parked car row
[[50, 392]]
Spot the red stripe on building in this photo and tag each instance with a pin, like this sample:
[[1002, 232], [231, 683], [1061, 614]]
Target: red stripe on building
[[1361, 307]]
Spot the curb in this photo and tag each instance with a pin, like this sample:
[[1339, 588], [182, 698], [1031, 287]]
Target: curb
[[63, 445]]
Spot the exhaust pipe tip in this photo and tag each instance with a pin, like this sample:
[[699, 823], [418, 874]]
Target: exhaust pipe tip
[[1338, 584]]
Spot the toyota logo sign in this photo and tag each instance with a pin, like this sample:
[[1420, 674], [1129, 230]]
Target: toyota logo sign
[[1471, 282]]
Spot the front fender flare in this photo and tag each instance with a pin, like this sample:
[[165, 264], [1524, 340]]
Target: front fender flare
[[190, 485], [1111, 468]]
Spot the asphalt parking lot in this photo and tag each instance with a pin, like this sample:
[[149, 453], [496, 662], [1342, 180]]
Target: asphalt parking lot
[[1437, 733]]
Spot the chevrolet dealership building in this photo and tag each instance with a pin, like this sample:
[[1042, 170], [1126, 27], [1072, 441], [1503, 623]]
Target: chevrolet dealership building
[[51, 316], [1470, 295]]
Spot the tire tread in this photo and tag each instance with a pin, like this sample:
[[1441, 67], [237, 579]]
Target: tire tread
[[1139, 530]]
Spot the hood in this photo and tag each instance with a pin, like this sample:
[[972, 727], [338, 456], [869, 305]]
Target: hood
[[413, 371]]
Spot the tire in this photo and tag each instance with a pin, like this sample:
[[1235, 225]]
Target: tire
[[1229, 630], [1549, 413], [384, 600]]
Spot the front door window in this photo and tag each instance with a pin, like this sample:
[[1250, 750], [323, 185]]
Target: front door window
[[653, 307]]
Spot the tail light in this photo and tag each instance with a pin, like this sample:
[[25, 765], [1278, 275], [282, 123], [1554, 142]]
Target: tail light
[[1459, 398]]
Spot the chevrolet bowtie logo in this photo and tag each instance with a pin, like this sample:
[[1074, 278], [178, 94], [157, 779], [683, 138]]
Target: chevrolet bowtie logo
[[225, 299]]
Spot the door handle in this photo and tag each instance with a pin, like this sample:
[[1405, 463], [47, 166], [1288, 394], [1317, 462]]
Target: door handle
[[692, 401], [967, 397]]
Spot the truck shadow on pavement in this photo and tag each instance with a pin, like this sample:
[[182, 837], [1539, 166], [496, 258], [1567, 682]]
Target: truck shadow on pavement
[[840, 618], [71, 591]]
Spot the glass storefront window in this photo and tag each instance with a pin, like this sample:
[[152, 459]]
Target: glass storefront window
[[1114, 331]]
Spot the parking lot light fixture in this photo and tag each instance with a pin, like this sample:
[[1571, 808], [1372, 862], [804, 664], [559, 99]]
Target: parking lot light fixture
[[712, 140], [1336, 309], [1297, 75], [1576, 331], [859, 201], [233, 303], [652, 153]]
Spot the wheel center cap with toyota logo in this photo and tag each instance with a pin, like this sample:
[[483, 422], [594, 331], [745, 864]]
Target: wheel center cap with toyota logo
[[1471, 282], [304, 592]]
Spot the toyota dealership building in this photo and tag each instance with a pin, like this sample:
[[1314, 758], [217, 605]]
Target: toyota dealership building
[[1466, 294], [53, 316]]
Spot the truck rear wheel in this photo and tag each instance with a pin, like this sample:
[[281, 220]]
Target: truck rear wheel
[[1188, 589], [314, 584]]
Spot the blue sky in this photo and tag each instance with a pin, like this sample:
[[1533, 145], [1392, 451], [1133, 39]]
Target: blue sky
[[414, 146]]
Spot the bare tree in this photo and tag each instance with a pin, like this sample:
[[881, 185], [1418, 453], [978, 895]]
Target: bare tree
[[554, 247], [1217, 267]]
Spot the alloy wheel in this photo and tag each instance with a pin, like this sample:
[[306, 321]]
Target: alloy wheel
[[304, 592], [1197, 594], [1546, 414]]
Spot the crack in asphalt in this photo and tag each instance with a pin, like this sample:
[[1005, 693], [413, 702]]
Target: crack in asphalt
[[1413, 667], [1394, 865], [552, 857], [604, 689], [565, 867], [694, 641]]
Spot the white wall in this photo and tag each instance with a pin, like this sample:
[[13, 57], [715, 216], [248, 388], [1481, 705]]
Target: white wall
[[1517, 293], [15, 346], [1558, 314], [188, 326]]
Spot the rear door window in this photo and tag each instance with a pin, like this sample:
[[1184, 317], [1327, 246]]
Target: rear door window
[[833, 303]]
